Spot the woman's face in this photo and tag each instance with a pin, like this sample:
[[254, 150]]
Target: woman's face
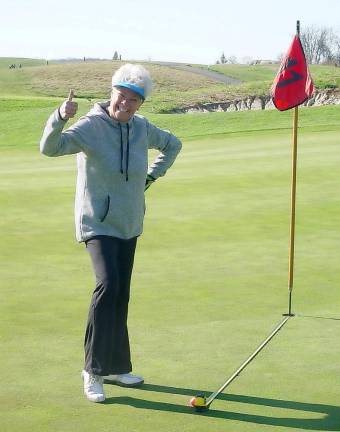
[[124, 103]]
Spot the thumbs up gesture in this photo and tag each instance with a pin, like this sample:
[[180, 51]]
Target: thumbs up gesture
[[68, 108]]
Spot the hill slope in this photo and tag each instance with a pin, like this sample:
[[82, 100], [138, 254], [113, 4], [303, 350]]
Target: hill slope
[[175, 87]]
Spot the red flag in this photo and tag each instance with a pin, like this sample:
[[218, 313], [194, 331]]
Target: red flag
[[293, 83]]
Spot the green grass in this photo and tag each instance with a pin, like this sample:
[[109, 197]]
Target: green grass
[[210, 280], [257, 79], [23, 119], [5, 62], [324, 76]]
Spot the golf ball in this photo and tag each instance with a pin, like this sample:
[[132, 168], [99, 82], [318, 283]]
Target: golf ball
[[198, 402]]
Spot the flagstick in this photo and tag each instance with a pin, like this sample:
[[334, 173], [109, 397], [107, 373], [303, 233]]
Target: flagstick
[[293, 202]]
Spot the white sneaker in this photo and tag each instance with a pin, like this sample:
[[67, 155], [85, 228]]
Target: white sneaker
[[93, 387], [124, 380]]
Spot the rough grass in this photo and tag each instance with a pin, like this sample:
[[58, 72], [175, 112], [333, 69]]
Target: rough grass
[[248, 73], [174, 89], [93, 78]]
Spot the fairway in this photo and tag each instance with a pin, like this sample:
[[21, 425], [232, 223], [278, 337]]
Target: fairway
[[210, 283]]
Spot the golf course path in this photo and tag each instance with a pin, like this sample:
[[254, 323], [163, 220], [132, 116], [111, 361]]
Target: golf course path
[[207, 73]]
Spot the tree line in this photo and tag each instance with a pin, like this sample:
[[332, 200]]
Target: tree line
[[320, 44]]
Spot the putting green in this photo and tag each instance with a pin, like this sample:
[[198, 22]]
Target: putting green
[[210, 283]]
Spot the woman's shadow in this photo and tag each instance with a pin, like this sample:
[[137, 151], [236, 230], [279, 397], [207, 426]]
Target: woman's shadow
[[330, 421]]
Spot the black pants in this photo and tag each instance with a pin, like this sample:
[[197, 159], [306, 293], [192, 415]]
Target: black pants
[[107, 348]]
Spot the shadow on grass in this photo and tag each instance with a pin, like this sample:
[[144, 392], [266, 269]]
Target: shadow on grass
[[330, 421], [319, 317]]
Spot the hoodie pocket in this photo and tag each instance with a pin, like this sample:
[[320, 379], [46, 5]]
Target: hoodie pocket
[[107, 208]]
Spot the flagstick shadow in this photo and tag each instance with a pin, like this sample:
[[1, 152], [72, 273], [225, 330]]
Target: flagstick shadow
[[328, 422], [319, 317]]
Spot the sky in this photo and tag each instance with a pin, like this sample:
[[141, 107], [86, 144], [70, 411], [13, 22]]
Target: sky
[[192, 31]]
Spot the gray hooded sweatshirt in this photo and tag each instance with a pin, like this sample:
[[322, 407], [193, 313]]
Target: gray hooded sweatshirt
[[112, 160]]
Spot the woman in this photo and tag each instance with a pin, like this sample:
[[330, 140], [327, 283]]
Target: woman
[[111, 143]]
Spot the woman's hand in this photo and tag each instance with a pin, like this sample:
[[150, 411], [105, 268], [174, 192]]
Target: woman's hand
[[148, 182], [69, 108]]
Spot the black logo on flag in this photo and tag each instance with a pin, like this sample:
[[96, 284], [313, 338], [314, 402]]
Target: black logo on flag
[[295, 76]]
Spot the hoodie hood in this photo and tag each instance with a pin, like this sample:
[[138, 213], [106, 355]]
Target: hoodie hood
[[101, 109]]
